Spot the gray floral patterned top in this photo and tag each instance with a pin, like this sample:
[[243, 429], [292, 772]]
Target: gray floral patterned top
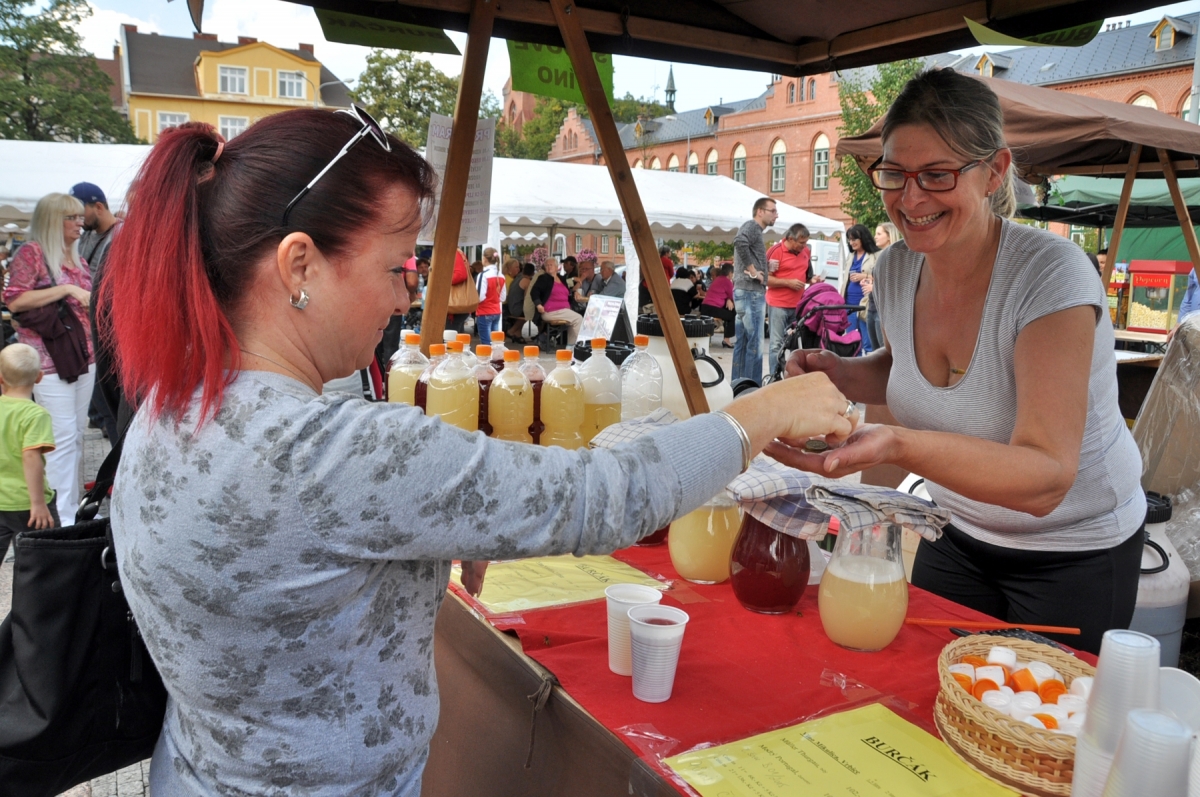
[[286, 561]]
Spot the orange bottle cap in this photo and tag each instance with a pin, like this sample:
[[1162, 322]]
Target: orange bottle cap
[[483, 351], [563, 355], [511, 356], [599, 343], [641, 340], [497, 337], [532, 351], [464, 338], [412, 338], [437, 349], [455, 346]]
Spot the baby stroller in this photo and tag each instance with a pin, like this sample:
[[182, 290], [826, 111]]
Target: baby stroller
[[822, 321]]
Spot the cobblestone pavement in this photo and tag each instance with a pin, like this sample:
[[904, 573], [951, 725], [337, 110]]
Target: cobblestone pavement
[[132, 781]]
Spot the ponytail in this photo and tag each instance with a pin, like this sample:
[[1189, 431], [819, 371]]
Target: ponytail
[[1004, 199], [157, 309]]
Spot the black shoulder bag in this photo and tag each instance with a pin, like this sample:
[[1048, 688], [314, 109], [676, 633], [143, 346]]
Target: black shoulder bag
[[79, 696]]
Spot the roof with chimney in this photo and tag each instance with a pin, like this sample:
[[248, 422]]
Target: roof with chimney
[[682, 125], [165, 65]]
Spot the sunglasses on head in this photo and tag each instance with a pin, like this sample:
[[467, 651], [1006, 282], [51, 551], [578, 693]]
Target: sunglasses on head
[[369, 128]]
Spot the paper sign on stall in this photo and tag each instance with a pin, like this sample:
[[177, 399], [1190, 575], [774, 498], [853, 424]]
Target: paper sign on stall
[[600, 318], [866, 751], [552, 581], [478, 203]]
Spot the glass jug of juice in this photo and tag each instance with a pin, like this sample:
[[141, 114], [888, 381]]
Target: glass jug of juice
[[863, 596], [700, 542], [406, 368], [768, 569]]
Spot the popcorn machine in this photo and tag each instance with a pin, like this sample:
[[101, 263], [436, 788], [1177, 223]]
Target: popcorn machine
[[1157, 291]]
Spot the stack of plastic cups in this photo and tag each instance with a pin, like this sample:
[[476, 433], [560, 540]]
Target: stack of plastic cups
[[656, 634], [1126, 679], [1152, 758], [621, 598]]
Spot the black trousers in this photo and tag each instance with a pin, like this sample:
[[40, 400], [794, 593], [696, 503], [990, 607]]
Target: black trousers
[[13, 522], [1089, 590]]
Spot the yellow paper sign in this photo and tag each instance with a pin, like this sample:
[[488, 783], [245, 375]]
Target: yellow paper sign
[[867, 751], [553, 581]]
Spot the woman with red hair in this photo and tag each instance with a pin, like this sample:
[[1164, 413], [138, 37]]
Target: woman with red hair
[[285, 552]]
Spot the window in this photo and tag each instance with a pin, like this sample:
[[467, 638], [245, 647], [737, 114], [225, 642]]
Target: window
[[656, 164], [559, 250], [232, 126], [673, 164], [620, 245], [791, 92], [693, 163], [821, 163], [1164, 38], [512, 113], [812, 89], [739, 164], [604, 244], [578, 243], [1079, 234], [166, 120], [1145, 101], [291, 85], [779, 166], [710, 162], [232, 79]]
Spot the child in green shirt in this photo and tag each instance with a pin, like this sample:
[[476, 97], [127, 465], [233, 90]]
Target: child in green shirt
[[26, 433]]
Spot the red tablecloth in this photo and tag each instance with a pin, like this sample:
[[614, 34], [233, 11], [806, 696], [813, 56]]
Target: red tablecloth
[[740, 673]]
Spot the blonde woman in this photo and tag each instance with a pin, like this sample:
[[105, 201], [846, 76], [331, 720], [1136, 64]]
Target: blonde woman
[[47, 270], [886, 234]]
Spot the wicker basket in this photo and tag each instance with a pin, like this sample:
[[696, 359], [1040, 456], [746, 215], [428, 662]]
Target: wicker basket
[[1013, 753]]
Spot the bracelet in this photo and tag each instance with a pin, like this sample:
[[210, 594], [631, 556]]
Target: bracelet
[[741, 433]]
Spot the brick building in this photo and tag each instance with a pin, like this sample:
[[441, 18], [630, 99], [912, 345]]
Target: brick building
[[781, 141], [517, 106]]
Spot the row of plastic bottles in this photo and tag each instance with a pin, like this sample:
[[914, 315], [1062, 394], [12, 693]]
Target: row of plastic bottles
[[508, 397]]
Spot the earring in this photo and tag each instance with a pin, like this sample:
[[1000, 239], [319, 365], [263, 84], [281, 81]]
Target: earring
[[302, 302]]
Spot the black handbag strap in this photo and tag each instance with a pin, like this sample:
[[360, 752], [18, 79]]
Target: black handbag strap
[[105, 477]]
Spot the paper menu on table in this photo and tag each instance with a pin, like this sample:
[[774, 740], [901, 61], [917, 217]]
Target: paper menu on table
[[552, 581], [866, 751]]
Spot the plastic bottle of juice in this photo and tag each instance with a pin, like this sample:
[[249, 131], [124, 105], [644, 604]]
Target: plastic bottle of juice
[[406, 368], [601, 391], [510, 408], [453, 391], [498, 350], [562, 405], [537, 376], [437, 353], [449, 336], [485, 373], [641, 381]]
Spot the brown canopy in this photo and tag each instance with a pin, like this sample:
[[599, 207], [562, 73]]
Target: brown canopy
[[1055, 132], [790, 37]]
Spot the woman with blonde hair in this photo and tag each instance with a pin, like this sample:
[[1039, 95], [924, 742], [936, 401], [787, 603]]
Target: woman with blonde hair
[[48, 292], [886, 234]]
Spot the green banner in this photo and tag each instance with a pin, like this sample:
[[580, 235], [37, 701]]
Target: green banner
[[546, 70], [1067, 37], [372, 32]]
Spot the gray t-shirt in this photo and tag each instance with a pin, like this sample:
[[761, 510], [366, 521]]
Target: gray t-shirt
[[286, 561], [749, 249], [1036, 274]]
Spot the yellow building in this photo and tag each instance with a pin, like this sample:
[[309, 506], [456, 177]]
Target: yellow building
[[168, 81]]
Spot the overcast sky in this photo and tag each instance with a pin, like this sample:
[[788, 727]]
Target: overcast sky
[[287, 24]]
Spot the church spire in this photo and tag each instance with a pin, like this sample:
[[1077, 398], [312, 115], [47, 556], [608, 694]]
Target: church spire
[[670, 92]]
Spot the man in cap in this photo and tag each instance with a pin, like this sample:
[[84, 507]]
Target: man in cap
[[100, 228]]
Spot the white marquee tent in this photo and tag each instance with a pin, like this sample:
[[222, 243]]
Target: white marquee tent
[[32, 169]]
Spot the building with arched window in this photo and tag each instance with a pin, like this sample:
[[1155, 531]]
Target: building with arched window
[[739, 163], [693, 163], [778, 166], [820, 163], [673, 163], [710, 162]]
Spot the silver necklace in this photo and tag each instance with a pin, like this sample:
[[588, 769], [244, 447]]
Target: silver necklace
[[274, 362]]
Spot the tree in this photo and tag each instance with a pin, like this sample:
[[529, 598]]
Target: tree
[[628, 108], [401, 91], [539, 131], [863, 103], [51, 89]]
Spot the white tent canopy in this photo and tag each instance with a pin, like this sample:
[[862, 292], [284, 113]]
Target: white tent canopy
[[33, 169], [530, 198]]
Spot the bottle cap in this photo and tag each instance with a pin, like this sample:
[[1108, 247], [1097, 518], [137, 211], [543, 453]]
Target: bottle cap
[[412, 338], [437, 349], [455, 346], [497, 337], [641, 340], [599, 343], [563, 355], [511, 356], [464, 338], [532, 351], [483, 351]]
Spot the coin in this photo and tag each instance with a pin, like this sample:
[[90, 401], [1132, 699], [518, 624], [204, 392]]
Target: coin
[[816, 446]]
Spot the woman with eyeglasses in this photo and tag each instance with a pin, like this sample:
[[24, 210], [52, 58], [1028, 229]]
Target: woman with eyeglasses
[[285, 552], [858, 264], [48, 293], [998, 366]]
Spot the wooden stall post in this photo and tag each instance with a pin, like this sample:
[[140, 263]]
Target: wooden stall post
[[1185, 219], [458, 171], [1114, 243], [631, 203]]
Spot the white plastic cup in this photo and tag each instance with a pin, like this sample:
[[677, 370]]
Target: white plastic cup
[[621, 598], [1152, 758], [1194, 772], [656, 634], [1092, 766], [1127, 678]]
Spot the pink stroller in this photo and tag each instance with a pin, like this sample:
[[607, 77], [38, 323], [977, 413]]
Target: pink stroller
[[822, 321]]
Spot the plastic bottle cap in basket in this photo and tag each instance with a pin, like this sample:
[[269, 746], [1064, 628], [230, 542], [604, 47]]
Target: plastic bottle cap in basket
[[563, 355], [599, 343]]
